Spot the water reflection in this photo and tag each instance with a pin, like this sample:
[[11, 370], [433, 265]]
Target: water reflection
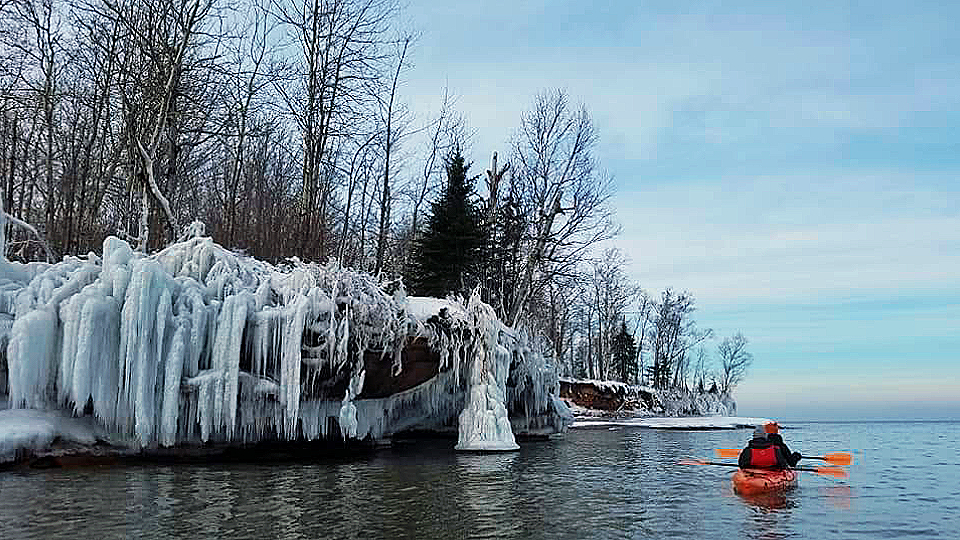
[[769, 501], [839, 497], [486, 494], [285, 502], [770, 515], [592, 484]]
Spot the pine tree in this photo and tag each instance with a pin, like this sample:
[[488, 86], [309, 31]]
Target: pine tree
[[624, 351], [447, 255]]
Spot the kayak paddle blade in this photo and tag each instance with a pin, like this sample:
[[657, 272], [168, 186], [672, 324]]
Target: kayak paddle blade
[[839, 458]]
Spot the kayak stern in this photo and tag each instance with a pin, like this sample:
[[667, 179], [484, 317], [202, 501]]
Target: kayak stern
[[754, 481]]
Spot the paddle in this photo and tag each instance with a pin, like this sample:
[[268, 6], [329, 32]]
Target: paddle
[[836, 458], [829, 471]]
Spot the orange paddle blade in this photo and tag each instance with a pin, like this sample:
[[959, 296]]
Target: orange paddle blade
[[728, 452], [839, 458]]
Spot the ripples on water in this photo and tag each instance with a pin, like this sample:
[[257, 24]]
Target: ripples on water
[[599, 483]]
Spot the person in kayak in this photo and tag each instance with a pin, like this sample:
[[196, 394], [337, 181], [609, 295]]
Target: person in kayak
[[761, 454], [773, 435]]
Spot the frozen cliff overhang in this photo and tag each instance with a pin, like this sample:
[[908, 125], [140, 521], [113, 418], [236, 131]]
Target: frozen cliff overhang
[[198, 344]]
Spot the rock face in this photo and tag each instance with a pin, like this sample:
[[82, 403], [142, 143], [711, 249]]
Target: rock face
[[197, 344], [607, 397]]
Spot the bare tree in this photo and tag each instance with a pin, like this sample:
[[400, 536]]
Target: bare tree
[[672, 336], [354, 174], [38, 37], [249, 78], [644, 319], [391, 136], [159, 39], [612, 292], [447, 130], [699, 374], [327, 89], [734, 361], [4, 218], [564, 196]]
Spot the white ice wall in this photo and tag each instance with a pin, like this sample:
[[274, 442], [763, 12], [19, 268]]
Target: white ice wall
[[196, 343]]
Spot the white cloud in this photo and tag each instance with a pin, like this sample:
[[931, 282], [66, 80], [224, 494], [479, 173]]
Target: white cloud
[[792, 237]]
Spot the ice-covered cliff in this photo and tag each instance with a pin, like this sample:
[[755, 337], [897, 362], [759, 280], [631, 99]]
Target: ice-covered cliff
[[200, 344]]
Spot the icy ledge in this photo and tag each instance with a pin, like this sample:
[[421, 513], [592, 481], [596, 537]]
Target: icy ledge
[[26, 430], [197, 344]]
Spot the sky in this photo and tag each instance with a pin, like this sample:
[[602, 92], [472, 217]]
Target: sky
[[794, 165]]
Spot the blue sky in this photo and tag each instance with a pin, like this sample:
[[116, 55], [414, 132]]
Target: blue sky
[[793, 165]]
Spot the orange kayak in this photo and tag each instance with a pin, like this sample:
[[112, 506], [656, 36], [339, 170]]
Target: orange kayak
[[753, 481]]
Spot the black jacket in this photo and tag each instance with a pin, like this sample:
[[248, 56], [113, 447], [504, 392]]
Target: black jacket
[[745, 455], [791, 457]]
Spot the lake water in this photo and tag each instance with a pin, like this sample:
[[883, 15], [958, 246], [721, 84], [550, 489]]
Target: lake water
[[592, 483]]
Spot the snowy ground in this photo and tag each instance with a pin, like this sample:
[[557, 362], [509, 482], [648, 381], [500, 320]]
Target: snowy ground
[[696, 422]]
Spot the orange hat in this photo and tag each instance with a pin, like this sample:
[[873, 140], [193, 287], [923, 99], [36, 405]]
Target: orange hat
[[772, 427]]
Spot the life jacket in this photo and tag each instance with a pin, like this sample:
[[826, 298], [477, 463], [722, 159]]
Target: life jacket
[[763, 458]]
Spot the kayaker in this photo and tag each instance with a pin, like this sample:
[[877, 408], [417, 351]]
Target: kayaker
[[761, 454], [773, 435]]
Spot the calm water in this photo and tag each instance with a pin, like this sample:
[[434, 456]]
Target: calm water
[[597, 483]]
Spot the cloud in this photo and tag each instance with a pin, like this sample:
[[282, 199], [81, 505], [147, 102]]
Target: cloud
[[793, 236], [795, 167]]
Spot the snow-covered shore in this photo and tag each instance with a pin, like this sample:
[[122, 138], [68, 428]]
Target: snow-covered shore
[[588, 398], [683, 423], [598, 404]]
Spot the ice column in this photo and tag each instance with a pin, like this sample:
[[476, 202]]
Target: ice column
[[484, 424]]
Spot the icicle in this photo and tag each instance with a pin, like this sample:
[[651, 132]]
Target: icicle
[[89, 329], [104, 339], [30, 355], [171, 385], [348, 411], [295, 317], [70, 318], [231, 363]]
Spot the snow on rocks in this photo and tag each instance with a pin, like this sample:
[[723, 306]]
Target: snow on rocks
[[599, 398], [685, 423], [198, 344]]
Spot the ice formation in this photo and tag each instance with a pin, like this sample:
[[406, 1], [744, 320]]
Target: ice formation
[[200, 344], [590, 397]]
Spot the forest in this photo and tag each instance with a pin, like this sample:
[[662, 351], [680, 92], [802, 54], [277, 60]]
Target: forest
[[283, 127]]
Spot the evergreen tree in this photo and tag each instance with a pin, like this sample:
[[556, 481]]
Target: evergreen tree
[[624, 351], [447, 254]]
